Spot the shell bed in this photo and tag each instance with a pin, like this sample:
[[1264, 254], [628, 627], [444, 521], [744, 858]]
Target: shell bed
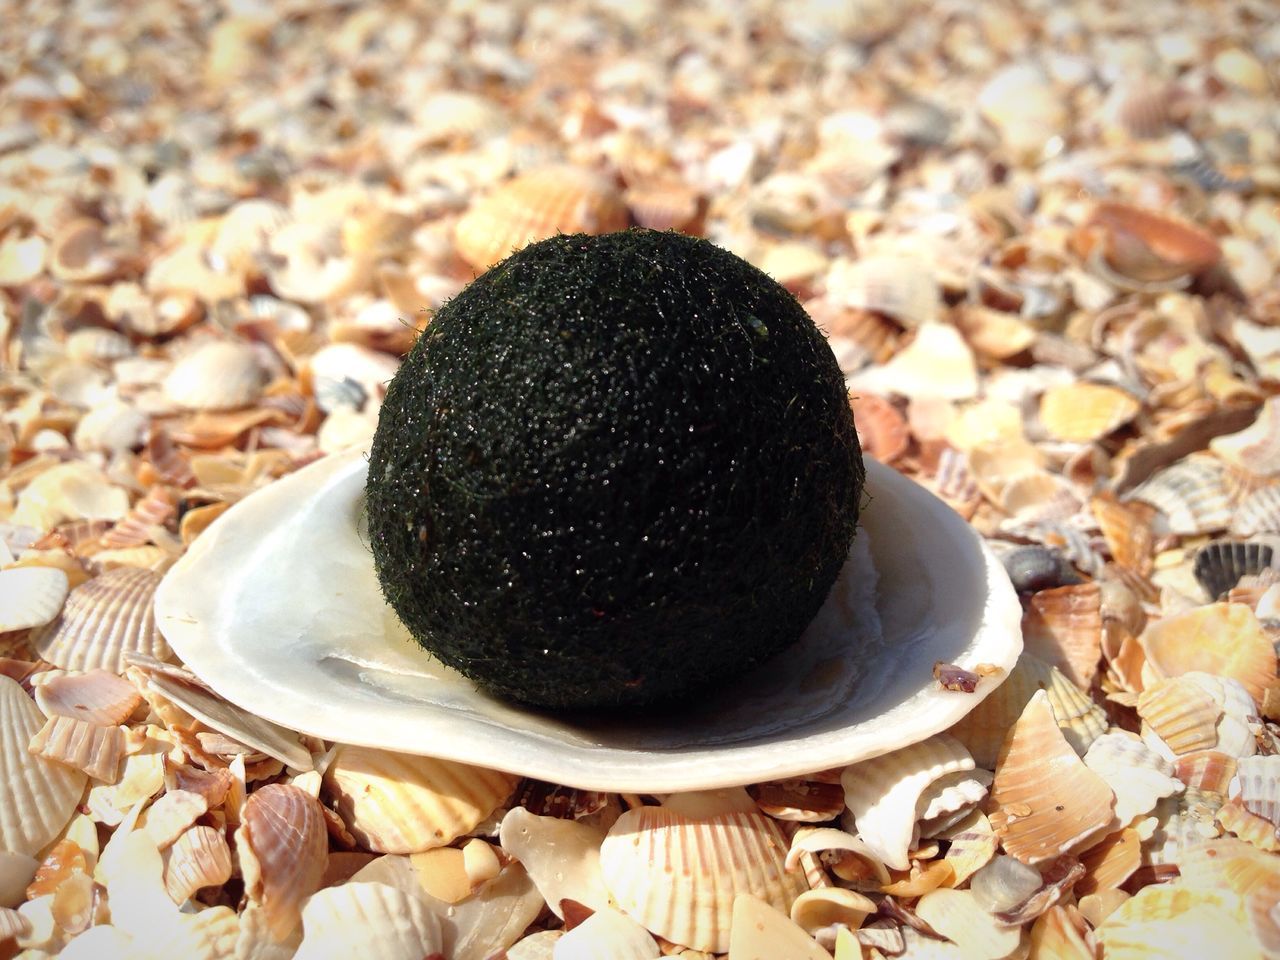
[[1043, 242]]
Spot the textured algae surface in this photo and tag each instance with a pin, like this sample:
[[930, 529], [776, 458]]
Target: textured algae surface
[[612, 471]]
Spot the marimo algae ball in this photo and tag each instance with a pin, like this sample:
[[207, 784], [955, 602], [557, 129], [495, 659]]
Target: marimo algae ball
[[613, 471]]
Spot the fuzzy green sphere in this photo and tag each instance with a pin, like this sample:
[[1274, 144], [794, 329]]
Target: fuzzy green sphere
[[613, 470]]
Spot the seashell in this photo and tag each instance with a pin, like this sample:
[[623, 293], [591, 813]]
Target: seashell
[[104, 619], [1256, 448], [30, 596], [21, 259], [1144, 245], [1258, 512], [1242, 69], [1083, 412], [244, 234], [1249, 827], [85, 746], [857, 337], [1038, 497], [80, 253], [141, 777], [1064, 933], [1004, 883], [113, 427], [41, 796], [1026, 108], [536, 946], [218, 375], [973, 845], [1136, 775], [69, 491], [983, 729], [606, 935], [534, 206], [1138, 107], [1260, 908], [949, 798], [799, 800], [989, 424], [171, 815], [1258, 782], [97, 345], [994, 333], [199, 858], [814, 910], [936, 363], [1177, 921], [562, 857], [369, 918], [1220, 638], [1110, 862], [1034, 568], [397, 803], [283, 845], [1220, 564], [1191, 494], [678, 876], [1048, 802], [758, 931], [903, 288], [1206, 770], [957, 915], [16, 871], [1127, 528], [882, 429], [1181, 713], [1063, 627], [665, 204], [883, 793], [857, 863], [452, 115]]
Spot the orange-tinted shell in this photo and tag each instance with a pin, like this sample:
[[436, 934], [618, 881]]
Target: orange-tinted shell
[[1220, 638], [1063, 627], [882, 429], [534, 206], [1146, 245], [103, 620]]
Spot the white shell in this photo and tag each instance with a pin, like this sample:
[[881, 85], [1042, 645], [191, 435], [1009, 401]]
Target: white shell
[[348, 650], [367, 919], [220, 375], [562, 857], [30, 596], [942, 596], [40, 796], [606, 935], [1136, 774]]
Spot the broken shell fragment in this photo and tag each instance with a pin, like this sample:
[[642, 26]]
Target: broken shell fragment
[[760, 931], [561, 856], [1084, 412], [30, 596], [219, 375], [1220, 638], [97, 750]]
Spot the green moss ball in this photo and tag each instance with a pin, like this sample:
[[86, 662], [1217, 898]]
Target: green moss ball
[[613, 470]]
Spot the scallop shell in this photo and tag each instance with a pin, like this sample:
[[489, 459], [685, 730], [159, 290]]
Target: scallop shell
[[903, 288], [370, 919], [936, 363], [104, 619], [1206, 770], [1136, 775], [983, 729], [1144, 245], [1110, 862], [1127, 528], [283, 845], [1258, 781], [562, 857], [219, 375], [882, 429], [1220, 564], [956, 915], [606, 935], [30, 596], [1192, 495], [1258, 512], [534, 206], [1176, 921], [759, 931], [678, 876], [665, 205], [85, 746], [1063, 627], [1256, 448], [1181, 713], [397, 803], [1084, 412], [1063, 934], [1219, 638], [1248, 826], [1048, 802], [1026, 108], [41, 796], [883, 793]]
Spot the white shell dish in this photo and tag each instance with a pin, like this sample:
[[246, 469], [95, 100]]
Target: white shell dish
[[278, 608]]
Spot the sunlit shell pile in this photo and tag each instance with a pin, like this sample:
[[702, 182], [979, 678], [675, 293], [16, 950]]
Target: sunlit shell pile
[[1044, 247]]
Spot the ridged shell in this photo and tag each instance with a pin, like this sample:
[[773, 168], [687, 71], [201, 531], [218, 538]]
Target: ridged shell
[[534, 206], [1127, 529], [1048, 802], [1256, 448], [1219, 638], [104, 619], [759, 931], [1062, 933], [883, 793], [1181, 713], [899, 287], [678, 877], [1110, 862], [1084, 412], [1136, 775], [607, 934], [1168, 921], [40, 796], [562, 857], [220, 375], [199, 858], [96, 750], [1258, 780], [857, 337], [1192, 495], [1258, 512], [1063, 627], [368, 919], [284, 846], [949, 798], [956, 915], [1248, 826], [1207, 770], [172, 815], [397, 803], [1220, 564], [936, 363], [983, 729], [664, 205], [973, 845], [30, 596]]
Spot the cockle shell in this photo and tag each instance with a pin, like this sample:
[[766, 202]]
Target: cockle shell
[[283, 845], [883, 793], [678, 876], [1048, 802], [1136, 775], [561, 856], [1110, 862], [1084, 412], [103, 620], [1220, 564], [30, 596], [936, 363], [96, 750], [1171, 920], [1257, 784], [1207, 770], [397, 803], [1063, 627], [41, 796], [1258, 512], [1191, 494], [534, 206], [1127, 530], [1220, 638], [759, 931], [219, 375], [372, 919], [1181, 713], [1234, 818], [899, 287]]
